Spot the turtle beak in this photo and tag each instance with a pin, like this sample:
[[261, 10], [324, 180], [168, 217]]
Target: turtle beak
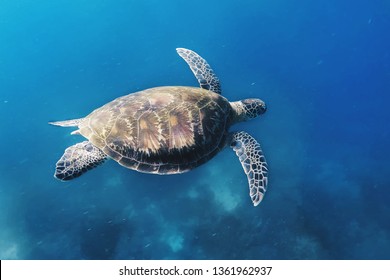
[[262, 107]]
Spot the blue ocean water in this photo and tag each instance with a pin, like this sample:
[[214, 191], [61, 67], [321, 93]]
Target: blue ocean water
[[323, 68]]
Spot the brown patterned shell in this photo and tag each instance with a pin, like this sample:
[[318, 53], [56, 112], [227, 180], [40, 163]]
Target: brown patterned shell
[[161, 130]]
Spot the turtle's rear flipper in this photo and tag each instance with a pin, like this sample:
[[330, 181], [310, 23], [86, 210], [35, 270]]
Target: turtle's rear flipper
[[77, 160], [74, 122], [253, 161]]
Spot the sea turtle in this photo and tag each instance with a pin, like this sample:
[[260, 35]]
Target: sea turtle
[[168, 130]]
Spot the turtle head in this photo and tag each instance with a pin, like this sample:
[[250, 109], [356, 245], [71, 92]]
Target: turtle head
[[253, 107], [248, 109]]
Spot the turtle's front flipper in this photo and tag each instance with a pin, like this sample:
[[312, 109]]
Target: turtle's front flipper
[[201, 69], [77, 160], [253, 161]]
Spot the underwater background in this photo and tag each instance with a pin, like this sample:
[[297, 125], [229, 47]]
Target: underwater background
[[322, 67]]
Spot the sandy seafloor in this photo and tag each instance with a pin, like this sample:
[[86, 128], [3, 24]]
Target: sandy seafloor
[[323, 68]]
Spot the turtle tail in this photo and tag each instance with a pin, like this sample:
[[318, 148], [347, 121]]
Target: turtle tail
[[74, 122]]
